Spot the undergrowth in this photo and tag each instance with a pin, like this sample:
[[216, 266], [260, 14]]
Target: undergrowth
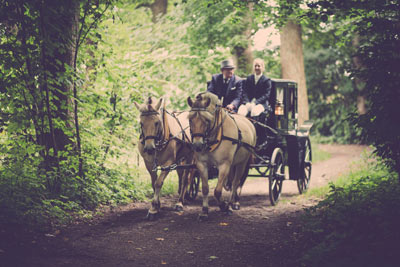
[[357, 223]]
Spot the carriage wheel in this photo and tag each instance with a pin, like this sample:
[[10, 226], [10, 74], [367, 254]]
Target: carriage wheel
[[276, 176], [191, 194], [304, 181]]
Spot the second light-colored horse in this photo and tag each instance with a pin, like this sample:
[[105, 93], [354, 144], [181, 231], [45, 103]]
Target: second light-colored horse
[[222, 140]]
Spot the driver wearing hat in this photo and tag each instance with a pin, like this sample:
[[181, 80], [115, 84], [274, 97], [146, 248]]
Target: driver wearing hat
[[227, 85]]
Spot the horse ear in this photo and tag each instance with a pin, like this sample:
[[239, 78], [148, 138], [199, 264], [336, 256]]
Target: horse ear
[[208, 102], [137, 105], [190, 102], [159, 104]]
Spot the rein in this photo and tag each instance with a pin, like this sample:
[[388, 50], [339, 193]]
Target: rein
[[212, 145]]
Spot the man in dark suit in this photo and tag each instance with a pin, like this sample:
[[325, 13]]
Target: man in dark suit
[[256, 91], [227, 85]]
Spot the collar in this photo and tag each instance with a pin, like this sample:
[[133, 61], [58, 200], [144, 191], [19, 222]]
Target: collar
[[257, 77]]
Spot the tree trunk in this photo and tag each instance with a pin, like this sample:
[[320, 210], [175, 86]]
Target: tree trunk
[[158, 8], [292, 63], [358, 83], [243, 54], [59, 23]]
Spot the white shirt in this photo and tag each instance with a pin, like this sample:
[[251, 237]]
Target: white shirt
[[257, 77]]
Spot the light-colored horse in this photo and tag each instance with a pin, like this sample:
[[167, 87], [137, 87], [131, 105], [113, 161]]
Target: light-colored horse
[[223, 140], [164, 141]]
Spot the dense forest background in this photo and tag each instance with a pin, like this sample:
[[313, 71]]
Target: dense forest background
[[70, 71]]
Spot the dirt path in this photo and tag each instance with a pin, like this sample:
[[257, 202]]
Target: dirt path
[[257, 235]]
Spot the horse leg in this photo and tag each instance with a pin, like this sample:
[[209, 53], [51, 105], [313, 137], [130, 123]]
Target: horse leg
[[203, 170], [234, 200], [183, 182], [223, 171], [155, 203]]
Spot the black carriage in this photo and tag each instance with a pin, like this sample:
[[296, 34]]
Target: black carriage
[[283, 149], [283, 143]]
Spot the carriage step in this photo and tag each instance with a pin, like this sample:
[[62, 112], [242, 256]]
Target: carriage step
[[258, 165]]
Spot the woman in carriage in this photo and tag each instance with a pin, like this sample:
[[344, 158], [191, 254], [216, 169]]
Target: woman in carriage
[[255, 97], [256, 93]]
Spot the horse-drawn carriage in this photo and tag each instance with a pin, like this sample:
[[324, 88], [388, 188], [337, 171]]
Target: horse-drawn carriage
[[226, 145], [281, 143]]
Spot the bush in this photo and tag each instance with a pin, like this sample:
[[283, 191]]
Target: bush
[[357, 224]]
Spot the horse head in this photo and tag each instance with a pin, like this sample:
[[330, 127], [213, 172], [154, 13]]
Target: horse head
[[202, 118], [150, 124]]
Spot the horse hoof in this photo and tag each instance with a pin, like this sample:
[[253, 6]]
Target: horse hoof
[[178, 208], [223, 206], [236, 206], [202, 217], [151, 216]]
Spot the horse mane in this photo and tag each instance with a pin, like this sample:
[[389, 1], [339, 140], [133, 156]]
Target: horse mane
[[201, 101]]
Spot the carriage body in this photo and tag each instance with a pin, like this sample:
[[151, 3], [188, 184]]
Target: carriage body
[[283, 143]]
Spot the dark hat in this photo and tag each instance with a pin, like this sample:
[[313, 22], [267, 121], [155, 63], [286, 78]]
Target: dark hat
[[227, 64]]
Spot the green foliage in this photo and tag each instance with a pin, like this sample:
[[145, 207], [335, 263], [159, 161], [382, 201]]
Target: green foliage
[[377, 24], [357, 224], [219, 26], [43, 174], [331, 92]]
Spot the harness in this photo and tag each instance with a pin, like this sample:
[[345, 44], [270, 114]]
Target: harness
[[164, 134], [211, 145]]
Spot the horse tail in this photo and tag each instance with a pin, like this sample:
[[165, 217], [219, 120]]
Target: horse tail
[[246, 170]]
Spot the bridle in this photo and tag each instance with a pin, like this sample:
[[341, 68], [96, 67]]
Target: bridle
[[207, 142], [158, 139]]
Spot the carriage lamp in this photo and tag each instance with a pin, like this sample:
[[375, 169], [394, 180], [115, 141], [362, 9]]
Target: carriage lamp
[[279, 108]]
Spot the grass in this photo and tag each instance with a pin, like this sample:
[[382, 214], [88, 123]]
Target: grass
[[357, 169], [318, 154]]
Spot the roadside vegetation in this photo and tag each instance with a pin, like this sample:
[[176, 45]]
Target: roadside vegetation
[[357, 222]]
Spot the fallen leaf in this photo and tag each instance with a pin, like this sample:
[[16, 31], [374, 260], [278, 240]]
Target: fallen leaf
[[289, 223], [49, 235], [139, 248], [223, 224], [160, 239], [130, 241], [190, 252], [57, 232], [163, 262], [166, 229], [213, 257], [66, 238]]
